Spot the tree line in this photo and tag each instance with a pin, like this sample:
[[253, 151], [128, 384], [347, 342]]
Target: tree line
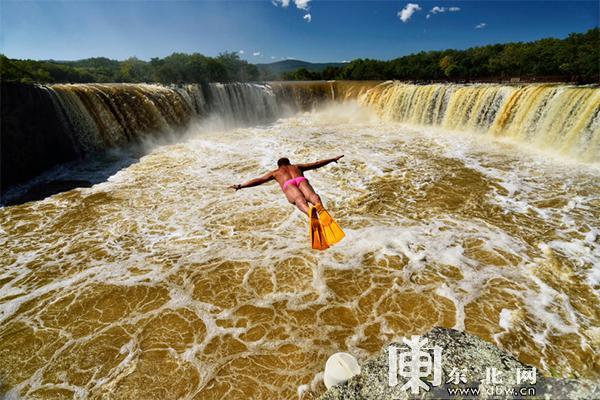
[[575, 58], [176, 68]]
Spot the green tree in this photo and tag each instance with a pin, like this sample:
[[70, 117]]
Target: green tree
[[133, 70], [448, 65], [301, 74]]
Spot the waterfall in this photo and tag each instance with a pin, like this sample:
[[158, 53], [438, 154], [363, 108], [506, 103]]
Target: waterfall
[[101, 116], [46, 125], [561, 118], [109, 115], [245, 102]]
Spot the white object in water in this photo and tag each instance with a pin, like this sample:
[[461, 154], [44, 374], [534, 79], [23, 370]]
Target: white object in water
[[339, 368]]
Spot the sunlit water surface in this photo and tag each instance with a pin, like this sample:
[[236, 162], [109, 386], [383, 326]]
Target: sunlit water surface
[[163, 283]]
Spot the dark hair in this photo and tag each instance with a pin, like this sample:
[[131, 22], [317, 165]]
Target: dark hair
[[283, 161]]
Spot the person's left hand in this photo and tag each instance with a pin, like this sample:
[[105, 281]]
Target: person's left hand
[[236, 187]]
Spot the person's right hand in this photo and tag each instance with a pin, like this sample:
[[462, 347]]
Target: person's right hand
[[338, 157], [236, 187]]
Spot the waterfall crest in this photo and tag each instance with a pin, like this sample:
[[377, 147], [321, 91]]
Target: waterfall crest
[[562, 118], [108, 115], [46, 125]]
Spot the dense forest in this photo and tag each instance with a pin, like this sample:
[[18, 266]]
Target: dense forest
[[176, 68], [575, 58]]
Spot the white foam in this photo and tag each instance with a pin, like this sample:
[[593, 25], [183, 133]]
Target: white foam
[[505, 319]]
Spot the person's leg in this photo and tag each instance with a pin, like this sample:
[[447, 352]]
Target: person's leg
[[309, 193], [302, 204], [295, 196]]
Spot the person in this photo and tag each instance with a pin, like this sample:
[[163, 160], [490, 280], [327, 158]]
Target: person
[[299, 192]]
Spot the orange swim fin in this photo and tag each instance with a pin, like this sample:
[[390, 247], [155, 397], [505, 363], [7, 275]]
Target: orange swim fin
[[333, 232], [317, 236]]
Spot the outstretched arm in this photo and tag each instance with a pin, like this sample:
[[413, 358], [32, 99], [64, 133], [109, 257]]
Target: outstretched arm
[[254, 182], [318, 164]]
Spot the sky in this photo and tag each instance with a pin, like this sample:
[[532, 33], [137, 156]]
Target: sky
[[268, 31]]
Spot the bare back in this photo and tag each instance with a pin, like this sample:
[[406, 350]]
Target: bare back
[[297, 194], [285, 173], [299, 191]]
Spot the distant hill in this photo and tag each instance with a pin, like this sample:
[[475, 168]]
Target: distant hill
[[280, 67]]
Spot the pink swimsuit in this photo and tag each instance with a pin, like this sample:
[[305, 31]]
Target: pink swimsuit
[[295, 181]]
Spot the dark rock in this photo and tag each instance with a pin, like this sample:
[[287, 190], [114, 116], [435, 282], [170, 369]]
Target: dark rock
[[45, 189], [470, 355], [33, 137]]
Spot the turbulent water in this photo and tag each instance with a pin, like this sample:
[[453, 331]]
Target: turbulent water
[[103, 116], [44, 126], [161, 282], [564, 119]]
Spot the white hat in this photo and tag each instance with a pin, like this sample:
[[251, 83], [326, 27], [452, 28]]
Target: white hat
[[339, 368]]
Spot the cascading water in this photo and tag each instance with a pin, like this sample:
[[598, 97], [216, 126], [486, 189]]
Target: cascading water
[[88, 118], [104, 116], [564, 119]]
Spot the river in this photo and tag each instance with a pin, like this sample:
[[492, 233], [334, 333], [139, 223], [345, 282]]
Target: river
[[161, 282]]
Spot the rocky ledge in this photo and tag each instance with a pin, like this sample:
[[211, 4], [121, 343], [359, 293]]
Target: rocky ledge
[[471, 362]]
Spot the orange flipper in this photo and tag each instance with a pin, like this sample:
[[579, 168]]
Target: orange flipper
[[333, 232], [317, 236]]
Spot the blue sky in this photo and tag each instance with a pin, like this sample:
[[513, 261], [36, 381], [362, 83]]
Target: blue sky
[[335, 30]]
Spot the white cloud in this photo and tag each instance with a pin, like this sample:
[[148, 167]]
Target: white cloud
[[408, 11], [302, 4], [284, 3], [438, 10], [256, 53], [241, 51], [481, 25], [273, 57]]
